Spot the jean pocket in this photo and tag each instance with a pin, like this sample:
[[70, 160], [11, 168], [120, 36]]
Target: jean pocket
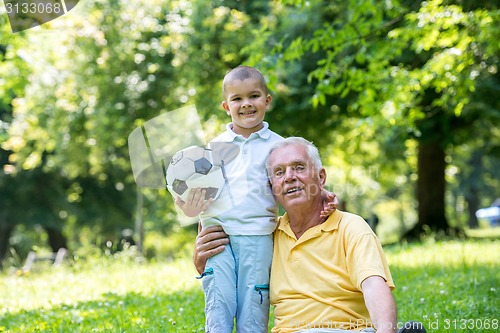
[[260, 307], [208, 283], [263, 291], [208, 271]]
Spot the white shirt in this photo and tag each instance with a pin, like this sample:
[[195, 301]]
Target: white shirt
[[246, 205]]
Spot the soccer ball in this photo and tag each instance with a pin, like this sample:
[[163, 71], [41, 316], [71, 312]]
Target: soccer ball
[[191, 168]]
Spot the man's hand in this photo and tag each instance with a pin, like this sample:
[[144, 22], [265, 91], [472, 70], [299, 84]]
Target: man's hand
[[330, 203], [195, 202], [209, 242]]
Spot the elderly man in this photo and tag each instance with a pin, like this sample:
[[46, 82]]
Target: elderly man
[[328, 274]]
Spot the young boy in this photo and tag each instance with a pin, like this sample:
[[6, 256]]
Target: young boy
[[236, 281]]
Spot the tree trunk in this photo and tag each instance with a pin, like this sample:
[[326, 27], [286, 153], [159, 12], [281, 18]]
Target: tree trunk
[[431, 186], [56, 238], [472, 189], [139, 224], [472, 206], [5, 232]]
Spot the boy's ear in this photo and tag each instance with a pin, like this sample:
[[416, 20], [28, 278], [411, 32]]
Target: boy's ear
[[269, 98], [225, 106]]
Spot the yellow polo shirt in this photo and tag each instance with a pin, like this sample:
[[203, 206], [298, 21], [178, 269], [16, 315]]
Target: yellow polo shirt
[[316, 280]]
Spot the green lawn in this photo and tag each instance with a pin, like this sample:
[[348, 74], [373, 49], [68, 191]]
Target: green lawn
[[449, 286]]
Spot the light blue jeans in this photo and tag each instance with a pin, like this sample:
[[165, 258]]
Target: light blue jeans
[[236, 285]]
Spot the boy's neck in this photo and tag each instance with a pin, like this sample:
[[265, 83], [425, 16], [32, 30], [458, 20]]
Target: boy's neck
[[246, 132]]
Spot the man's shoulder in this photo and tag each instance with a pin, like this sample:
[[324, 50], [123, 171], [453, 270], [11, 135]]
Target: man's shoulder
[[354, 223], [352, 217]]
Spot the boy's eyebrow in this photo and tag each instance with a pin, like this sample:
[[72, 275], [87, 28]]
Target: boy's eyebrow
[[250, 93]]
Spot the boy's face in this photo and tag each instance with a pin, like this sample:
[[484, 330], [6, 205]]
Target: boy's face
[[246, 102]]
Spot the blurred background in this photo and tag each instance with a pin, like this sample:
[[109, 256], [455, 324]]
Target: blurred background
[[402, 98]]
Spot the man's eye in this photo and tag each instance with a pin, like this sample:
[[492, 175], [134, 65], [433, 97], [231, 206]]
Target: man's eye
[[278, 173], [300, 168]]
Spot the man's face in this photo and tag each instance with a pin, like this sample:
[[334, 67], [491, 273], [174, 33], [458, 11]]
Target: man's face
[[294, 178]]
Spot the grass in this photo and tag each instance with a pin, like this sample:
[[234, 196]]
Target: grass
[[449, 286]]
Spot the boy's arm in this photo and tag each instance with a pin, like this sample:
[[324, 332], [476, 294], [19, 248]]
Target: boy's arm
[[195, 202], [330, 203]]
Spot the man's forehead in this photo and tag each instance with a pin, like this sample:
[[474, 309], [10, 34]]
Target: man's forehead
[[289, 154]]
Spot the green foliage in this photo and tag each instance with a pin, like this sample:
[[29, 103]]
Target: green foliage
[[176, 244], [69, 123], [362, 79], [411, 70], [79, 85], [389, 55]]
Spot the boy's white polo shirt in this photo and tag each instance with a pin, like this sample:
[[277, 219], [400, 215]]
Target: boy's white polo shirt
[[246, 205]]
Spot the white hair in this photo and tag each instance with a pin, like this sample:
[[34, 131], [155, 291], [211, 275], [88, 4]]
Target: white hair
[[312, 150]]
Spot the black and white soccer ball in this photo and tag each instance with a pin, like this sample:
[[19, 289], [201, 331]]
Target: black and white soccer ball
[[194, 167]]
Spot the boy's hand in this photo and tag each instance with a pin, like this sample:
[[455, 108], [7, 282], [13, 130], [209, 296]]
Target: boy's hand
[[330, 203], [195, 202]]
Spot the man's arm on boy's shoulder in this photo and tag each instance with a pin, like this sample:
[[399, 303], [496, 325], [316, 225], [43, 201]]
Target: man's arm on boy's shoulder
[[195, 202], [209, 242]]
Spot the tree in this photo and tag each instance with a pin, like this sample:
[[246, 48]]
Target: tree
[[74, 99], [102, 75], [10, 65], [413, 66]]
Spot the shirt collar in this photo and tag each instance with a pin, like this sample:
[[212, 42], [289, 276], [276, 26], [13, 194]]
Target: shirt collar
[[263, 133], [332, 223]]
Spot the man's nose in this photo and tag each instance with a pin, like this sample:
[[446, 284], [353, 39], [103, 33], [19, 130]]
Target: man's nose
[[290, 174]]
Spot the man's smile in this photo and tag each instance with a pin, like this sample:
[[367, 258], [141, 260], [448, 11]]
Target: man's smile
[[293, 190]]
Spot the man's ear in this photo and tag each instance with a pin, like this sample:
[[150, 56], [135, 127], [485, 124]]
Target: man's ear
[[322, 177]]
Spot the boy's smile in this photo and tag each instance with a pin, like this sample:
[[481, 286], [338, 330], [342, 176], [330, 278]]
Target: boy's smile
[[246, 102]]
